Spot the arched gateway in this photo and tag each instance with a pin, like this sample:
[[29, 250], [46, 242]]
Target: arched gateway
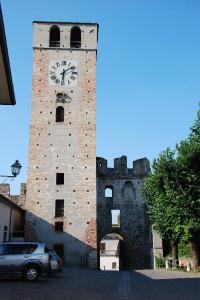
[[112, 254]]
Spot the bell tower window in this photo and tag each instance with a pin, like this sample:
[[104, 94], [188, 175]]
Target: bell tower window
[[75, 41], [54, 39]]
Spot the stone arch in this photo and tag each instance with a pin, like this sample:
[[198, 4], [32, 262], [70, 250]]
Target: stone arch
[[54, 36]]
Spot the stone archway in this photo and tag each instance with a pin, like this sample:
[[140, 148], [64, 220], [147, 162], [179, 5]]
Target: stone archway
[[112, 252]]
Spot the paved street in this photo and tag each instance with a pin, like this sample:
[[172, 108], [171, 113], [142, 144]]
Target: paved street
[[85, 284]]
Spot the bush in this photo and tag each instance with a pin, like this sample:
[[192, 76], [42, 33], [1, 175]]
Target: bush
[[184, 250], [160, 262]]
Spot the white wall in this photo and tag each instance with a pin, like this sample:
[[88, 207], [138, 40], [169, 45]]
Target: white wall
[[106, 263], [106, 260], [4, 219]]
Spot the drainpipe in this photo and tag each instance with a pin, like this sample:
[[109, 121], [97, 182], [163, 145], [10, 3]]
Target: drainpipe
[[10, 223]]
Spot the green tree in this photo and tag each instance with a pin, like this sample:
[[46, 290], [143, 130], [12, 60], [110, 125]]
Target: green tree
[[162, 197], [172, 192], [188, 160]]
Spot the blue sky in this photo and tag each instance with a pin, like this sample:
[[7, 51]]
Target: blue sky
[[148, 74]]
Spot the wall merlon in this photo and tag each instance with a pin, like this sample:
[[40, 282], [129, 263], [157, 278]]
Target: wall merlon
[[141, 168]]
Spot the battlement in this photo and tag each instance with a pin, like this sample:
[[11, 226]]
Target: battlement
[[141, 168], [17, 199]]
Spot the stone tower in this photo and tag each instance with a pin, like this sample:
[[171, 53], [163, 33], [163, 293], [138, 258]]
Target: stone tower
[[61, 188]]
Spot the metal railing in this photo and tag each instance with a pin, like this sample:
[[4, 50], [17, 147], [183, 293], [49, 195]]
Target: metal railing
[[75, 44], [54, 44], [109, 253]]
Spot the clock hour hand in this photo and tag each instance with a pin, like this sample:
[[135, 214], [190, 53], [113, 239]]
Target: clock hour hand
[[64, 71]]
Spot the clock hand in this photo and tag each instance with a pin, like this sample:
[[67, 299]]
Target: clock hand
[[64, 71]]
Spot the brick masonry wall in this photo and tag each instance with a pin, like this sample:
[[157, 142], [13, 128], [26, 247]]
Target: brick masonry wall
[[68, 147]]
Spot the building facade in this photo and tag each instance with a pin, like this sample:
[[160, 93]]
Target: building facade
[[11, 221], [61, 187]]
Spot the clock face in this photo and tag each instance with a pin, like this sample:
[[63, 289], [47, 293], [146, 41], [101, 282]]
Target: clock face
[[63, 72]]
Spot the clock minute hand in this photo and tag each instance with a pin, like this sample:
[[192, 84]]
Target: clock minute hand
[[64, 71]]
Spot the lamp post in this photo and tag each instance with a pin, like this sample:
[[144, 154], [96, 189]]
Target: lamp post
[[15, 169]]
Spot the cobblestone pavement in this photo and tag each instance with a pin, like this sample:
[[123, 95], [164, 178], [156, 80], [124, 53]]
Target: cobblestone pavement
[[82, 284]]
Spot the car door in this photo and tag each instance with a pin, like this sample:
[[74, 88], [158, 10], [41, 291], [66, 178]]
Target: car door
[[16, 255], [2, 261], [13, 258]]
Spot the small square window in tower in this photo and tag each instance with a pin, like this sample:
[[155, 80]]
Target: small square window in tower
[[59, 178], [114, 265], [59, 208], [58, 226]]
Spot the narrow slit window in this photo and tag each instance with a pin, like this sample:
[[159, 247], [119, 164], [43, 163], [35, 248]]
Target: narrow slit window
[[59, 178], [59, 208], [59, 114]]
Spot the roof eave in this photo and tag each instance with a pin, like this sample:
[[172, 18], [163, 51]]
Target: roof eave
[[5, 55]]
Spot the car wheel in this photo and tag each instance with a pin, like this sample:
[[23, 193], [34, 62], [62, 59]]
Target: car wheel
[[31, 273]]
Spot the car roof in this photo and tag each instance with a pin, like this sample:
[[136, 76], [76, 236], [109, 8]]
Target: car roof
[[21, 243]]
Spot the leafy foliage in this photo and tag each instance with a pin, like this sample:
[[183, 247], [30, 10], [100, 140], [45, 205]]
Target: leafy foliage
[[160, 262], [162, 195], [184, 249], [172, 190]]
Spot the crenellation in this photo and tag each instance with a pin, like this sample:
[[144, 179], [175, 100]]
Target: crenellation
[[141, 168]]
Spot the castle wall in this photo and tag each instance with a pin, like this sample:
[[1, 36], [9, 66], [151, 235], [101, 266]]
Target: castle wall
[[127, 196]]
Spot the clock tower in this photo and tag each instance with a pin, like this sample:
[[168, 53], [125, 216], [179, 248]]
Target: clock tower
[[61, 187]]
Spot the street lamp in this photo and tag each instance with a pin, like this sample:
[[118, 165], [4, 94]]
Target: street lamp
[[15, 169]]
